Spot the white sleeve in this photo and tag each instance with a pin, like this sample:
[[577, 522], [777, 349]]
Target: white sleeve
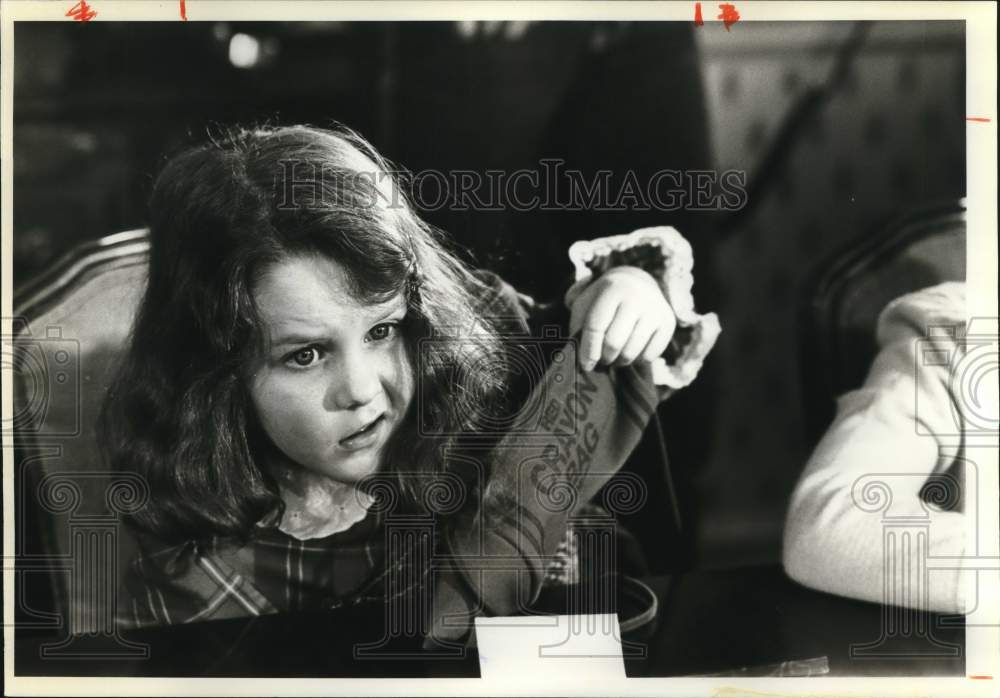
[[869, 469]]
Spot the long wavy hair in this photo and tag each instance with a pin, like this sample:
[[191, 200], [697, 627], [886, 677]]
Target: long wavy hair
[[179, 413]]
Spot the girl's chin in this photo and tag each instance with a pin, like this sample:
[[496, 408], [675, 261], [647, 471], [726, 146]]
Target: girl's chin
[[351, 470]]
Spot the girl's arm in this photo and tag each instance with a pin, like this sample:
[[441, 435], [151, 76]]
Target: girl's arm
[[590, 422]]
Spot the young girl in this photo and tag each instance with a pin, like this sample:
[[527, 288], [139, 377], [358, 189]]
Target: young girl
[[306, 345]]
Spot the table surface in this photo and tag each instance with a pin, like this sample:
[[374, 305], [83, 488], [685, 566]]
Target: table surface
[[725, 622]]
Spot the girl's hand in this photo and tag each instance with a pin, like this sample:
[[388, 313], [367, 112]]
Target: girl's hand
[[624, 317]]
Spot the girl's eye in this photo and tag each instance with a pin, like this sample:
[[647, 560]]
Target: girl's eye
[[382, 331], [304, 357]]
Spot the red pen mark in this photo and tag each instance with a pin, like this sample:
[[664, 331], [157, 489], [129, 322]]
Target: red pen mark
[[81, 12], [184, 14], [697, 14], [981, 677], [980, 119], [729, 15]]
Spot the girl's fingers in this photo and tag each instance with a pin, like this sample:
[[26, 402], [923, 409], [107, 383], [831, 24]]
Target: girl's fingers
[[614, 316], [596, 323], [656, 345], [618, 334], [641, 334]]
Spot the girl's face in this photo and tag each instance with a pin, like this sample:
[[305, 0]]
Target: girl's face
[[336, 378]]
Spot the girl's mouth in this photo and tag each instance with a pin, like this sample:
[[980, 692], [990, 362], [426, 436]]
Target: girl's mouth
[[366, 436]]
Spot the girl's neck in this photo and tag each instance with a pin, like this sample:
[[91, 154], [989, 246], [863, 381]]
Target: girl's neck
[[317, 506]]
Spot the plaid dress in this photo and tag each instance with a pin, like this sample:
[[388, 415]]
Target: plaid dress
[[274, 572]]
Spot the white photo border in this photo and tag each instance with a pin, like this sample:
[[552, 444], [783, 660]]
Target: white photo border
[[982, 633]]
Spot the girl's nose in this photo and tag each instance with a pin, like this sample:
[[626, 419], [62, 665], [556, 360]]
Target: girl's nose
[[356, 382]]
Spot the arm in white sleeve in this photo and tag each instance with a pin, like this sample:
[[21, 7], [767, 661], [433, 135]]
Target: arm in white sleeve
[[882, 433]]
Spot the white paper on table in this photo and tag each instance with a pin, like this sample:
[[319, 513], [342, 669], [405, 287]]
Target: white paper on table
[[577, 646]]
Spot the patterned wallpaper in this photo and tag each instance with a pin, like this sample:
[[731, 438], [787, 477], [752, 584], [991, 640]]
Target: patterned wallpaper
[[890, 136]]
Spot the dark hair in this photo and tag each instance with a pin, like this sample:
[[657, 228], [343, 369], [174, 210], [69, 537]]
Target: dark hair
[[178, 412]]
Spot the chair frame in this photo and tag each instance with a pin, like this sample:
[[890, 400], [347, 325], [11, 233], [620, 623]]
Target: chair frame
[[32, 300], [36, 295], [825, 371]]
